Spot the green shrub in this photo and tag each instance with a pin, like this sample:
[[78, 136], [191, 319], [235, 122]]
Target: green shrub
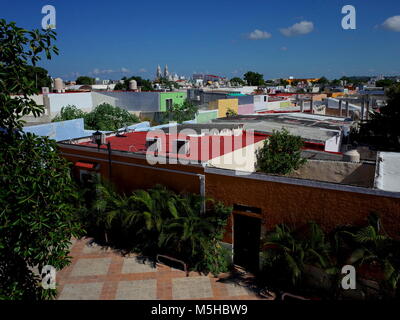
[[69, 113], [108, 117], [287, 251], [281, 153], [104, 117], [37, 217], [159, 221]]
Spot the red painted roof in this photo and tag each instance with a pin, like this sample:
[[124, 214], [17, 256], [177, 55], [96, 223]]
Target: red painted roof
[[201, 148]]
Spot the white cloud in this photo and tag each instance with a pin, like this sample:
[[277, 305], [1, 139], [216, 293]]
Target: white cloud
[[392, 24], [284, 49], [142, 70], [124, 70], [102, 71], [258, 35], [300, 28]]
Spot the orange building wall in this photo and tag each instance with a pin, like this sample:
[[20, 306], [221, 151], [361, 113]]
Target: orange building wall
[[296, 205], [129, 178], [279, 202]]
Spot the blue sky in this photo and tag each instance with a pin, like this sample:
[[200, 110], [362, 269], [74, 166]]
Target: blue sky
[[110, 39]]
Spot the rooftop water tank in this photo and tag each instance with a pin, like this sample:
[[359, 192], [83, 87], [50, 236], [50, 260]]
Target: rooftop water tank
[[58, 84], [352, 156], [132, 85]]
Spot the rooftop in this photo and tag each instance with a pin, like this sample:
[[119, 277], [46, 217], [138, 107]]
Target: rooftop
[[312, 128], [199, 147]]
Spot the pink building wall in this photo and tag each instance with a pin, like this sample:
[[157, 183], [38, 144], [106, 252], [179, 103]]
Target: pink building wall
[[246, 109]]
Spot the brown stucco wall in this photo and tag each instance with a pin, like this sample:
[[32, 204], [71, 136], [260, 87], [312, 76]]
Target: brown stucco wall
[[357, 174], [279, 202], [129, 178], [296, 205]]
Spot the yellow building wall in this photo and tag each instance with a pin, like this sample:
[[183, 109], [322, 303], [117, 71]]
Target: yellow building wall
[[224, 104], [337, 94], [319, 97]]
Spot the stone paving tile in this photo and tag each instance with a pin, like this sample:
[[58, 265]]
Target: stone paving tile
[[137, 290], [94, 249], [73, 242], [81, 291], [191, 288], [106, 275], [234, 289], [132, 265], [91, 267]]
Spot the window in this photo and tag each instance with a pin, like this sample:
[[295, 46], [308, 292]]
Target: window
[[168, 104], [265, 98]]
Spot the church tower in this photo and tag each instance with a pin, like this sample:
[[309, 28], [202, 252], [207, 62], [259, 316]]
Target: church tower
[[166, 72], [158, 75]]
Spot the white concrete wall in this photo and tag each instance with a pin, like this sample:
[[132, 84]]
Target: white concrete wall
[[333, 144], [387, 176], [243, 90], [260, 103], [243, 159], [333, 103], [82, 100]]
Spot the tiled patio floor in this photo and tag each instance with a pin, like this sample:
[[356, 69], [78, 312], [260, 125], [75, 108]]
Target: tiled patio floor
[[98, 273]]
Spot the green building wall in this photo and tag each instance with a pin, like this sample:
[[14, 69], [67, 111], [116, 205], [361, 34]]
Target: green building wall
[[177, 97], [206, 116], [285, 104]]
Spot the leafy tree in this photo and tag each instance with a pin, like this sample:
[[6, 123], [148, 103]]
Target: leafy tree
[[108, 117], [281, 153], [103, 117], [37, 195], [254, 78], [382, 130], [40, 76], [69, 113], [120, 87], [15, 65], [295, 83], [231, 113], [322, 81], [237, 81], [336, 82], [355, 81], [283, 82], [385, 83], [84, 80], [37, 216], [170, 84], [184, 112]]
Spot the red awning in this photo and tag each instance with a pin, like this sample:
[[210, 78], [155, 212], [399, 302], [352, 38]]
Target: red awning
[[84, 165]]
